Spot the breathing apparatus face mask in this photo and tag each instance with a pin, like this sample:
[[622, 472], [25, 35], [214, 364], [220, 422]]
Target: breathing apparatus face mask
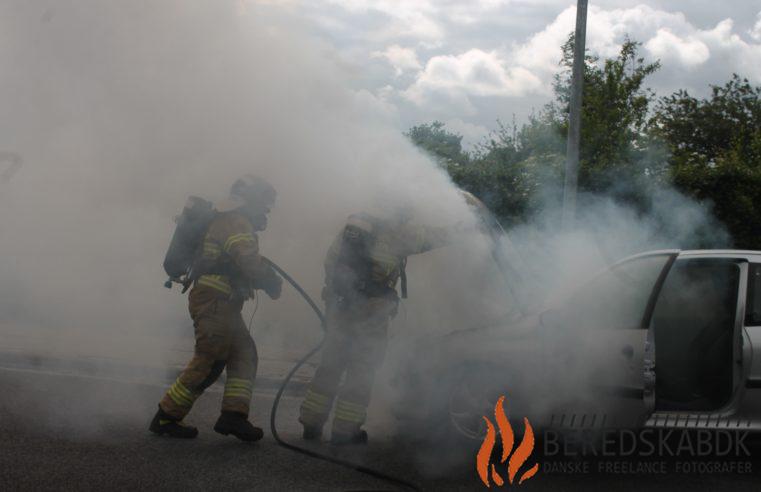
[[256, 213], [258, 197], [398, 216]]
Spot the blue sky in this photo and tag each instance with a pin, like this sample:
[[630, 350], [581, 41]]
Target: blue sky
[[469, 63]]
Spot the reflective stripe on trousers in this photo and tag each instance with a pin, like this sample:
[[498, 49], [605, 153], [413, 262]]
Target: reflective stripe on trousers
[[222, 342]]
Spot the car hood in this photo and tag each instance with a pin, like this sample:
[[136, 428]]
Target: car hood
[[486, 343], [506, 256]]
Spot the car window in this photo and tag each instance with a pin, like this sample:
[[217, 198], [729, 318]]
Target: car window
[[618, 297], [753, 307]]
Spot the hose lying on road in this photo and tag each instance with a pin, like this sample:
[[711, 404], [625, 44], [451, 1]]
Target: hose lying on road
[[284, 384]]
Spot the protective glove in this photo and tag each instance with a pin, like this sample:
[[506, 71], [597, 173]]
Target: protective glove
[[274, 286], [270, 282]]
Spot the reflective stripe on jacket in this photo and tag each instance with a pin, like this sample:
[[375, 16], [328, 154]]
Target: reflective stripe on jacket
[[388, 248], [231, 238]]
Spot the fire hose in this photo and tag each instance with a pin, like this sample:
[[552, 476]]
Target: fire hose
[[275, 404]]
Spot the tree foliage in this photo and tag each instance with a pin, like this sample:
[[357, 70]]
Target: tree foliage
[[631, 144], [614, 139], [444, 146], [715, 146]]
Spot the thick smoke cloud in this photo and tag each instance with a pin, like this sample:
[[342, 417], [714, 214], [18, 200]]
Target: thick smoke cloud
[[120, 110]]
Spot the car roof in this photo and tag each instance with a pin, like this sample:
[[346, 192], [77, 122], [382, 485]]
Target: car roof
[[750, 255], [722, 253]]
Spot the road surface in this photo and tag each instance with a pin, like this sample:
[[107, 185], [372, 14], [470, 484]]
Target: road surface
[[73, 431]]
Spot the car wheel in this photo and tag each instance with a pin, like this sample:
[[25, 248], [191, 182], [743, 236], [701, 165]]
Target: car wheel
[[471, 396]]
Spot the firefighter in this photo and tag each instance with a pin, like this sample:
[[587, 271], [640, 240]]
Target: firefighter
[[225, 274], [362, 268]]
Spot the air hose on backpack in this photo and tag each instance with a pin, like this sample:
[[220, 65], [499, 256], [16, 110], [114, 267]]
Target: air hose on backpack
[[284, 384]]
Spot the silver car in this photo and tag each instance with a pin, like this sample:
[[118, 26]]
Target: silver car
[[663, 339]]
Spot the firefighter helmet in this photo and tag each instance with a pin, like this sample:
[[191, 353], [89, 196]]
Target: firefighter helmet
[[252, 192]]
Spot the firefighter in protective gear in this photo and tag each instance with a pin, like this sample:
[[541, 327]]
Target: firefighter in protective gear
[[362, 269], [225, 274]]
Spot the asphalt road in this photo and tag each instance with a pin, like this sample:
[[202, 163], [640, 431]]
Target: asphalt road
[[63, 431]]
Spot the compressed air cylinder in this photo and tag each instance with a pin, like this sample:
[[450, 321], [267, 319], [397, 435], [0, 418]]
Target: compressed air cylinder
[[192, 224]]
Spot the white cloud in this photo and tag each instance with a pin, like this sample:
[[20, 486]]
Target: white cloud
[[401, 59], [406, 19], [666, 35], [606, 30], [528, 68], [418, 8], [739, 55], [473, 73], [478, 59], [755, 33], [472, 134], [471, 12], [424, 21], [688, 51]]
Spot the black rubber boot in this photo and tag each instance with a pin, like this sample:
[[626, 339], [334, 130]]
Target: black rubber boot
[[359, 437], [238, 425], [312, 433], [164, 424]]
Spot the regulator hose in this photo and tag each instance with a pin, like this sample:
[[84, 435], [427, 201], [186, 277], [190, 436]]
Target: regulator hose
[[284, 384]]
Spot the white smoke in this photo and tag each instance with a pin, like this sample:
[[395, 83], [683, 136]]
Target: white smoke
[[121, 110]]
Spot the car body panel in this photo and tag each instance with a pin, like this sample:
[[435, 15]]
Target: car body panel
[[751, 347]]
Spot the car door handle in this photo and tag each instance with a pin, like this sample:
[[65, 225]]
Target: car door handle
[[627, 351]]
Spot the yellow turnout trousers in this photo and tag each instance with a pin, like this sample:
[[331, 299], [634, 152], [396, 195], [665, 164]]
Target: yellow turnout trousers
[[222, 340], [355, 346]]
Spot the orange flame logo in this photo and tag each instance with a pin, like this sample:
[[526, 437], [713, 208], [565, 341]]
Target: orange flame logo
[[518, 457]]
